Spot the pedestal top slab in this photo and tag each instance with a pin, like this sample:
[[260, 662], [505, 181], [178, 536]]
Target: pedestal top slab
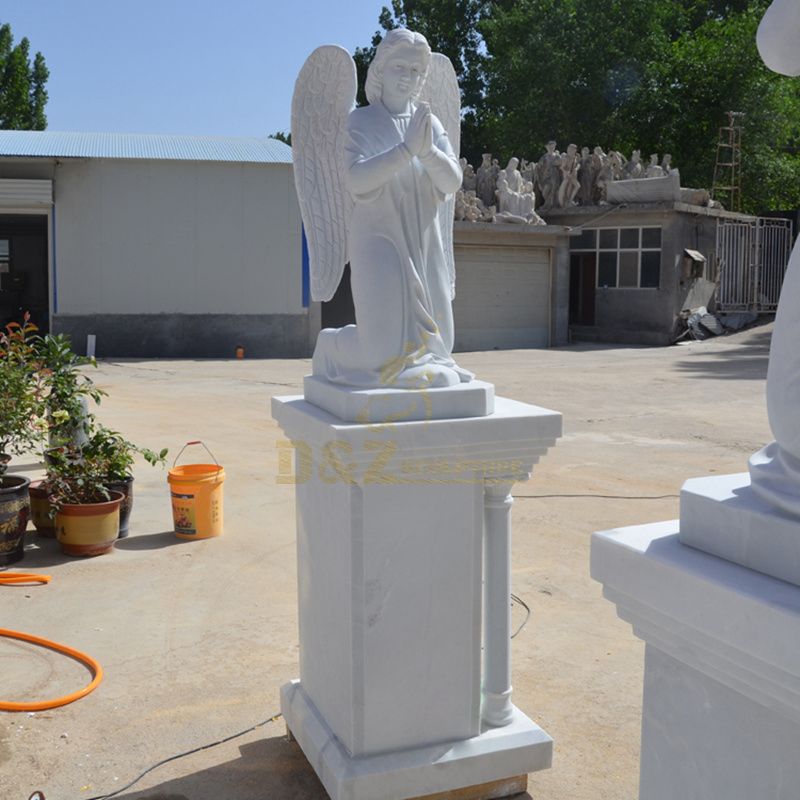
[[508, 419], [473, 399], [733, 624], [722, 515], [514, 434]]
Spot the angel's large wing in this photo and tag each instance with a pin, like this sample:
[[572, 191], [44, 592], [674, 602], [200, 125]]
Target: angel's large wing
[[441, 91], [324, 95]]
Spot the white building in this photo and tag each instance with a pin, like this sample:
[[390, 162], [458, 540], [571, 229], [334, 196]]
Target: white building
[[170, 246], [185, 246]]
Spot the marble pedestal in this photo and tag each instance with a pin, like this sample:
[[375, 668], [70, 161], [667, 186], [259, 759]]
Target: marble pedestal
[[721, 713], [403, 536]]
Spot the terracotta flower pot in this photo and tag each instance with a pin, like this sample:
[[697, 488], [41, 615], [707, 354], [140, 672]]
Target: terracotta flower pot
[[89, 529], [14, 512], [42, 520]]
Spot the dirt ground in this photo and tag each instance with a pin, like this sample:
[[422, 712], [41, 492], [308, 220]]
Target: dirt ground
[[197, 637]]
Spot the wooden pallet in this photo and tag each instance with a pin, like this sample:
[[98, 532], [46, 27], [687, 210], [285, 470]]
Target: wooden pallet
[[494, 790]]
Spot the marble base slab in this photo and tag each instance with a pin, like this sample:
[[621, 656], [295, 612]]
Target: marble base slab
[[723, 516], [363, 406], [496, 753]]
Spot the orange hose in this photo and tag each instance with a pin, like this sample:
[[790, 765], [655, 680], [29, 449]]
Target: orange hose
[[97, 672], [94, 666], [23, 578]]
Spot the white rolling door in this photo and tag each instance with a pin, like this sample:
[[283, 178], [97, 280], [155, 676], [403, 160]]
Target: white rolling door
[[502, 297]]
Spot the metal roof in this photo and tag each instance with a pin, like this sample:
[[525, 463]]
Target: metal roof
[[51, 144]]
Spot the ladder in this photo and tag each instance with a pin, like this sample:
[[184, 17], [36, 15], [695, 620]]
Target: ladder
[[727, 185]]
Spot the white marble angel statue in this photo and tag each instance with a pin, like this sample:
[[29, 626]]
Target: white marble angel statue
[[775, 470], [376, 188]]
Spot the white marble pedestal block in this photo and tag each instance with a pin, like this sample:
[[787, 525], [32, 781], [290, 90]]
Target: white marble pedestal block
[[724, 516], [721, 712], [403, 540]]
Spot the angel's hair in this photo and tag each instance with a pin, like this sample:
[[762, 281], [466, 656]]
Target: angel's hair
[[395, 38]]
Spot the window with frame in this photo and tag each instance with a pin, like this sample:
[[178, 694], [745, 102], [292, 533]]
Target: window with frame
[[627, 258]]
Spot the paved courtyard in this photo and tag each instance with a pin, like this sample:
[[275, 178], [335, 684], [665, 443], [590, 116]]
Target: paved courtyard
[[197, 637]]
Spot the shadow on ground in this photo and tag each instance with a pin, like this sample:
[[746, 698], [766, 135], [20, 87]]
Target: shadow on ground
[[41, 551], [748, 361], [151, 541], [269, 769]]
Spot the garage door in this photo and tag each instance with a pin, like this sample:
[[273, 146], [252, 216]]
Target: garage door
[[502, 297]]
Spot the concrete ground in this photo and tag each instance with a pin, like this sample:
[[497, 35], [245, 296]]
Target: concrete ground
[[197, 637]]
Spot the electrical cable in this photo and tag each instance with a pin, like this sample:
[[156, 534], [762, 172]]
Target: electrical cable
[[601, 496], [182, 755], [521, 602]]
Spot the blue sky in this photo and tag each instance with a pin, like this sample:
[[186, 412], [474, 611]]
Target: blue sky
[[181, 66]]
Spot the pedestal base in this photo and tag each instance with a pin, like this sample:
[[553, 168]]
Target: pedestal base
[[721, 715], [498, 756], [722, 515]]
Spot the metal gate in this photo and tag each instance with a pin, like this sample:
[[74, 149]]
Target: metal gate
[[752, 257]]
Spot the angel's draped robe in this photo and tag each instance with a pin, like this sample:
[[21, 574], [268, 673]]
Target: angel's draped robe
[[402, 286]]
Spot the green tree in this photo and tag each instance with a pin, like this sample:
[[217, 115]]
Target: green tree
[[286, 138], [23, 96], [452, 29], [658, 75]]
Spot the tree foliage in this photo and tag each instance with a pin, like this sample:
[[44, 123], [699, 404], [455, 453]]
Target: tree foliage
[[281, 136], [451, 28], [23, 96], [658, 75]]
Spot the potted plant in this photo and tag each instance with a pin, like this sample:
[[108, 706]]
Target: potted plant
[[67, 392], [22, 428], [119, 455], [68, 389], [86, 511], [81, 484]]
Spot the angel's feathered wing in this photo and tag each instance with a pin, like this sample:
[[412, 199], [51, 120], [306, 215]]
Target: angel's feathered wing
[[324, 96], [442, 93]]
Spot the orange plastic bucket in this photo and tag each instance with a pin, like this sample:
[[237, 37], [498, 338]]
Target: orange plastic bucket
[[196, 494]]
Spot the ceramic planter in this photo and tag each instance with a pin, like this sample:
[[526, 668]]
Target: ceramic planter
[[89, 529], [14, 512], [126, 488], [43, 521]]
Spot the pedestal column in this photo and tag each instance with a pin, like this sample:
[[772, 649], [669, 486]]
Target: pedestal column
[[403, 545], [496, 708]]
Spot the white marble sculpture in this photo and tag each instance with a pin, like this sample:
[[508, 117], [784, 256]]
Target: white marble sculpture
[[376, 187], [516, 201], [721, 710], [775, 470], [587, 177], [549, 175], [470, 208], [570, 184], [469, 182], [654, 169], [487, 181]]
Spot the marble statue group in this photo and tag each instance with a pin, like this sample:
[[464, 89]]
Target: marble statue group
[[556, 180]]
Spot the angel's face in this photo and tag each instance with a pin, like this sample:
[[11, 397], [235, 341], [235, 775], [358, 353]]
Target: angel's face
[[403, 74]]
